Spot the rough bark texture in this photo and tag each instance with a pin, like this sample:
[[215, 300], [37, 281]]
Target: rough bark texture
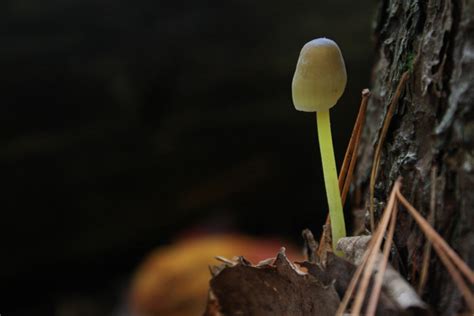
[[430, 139]]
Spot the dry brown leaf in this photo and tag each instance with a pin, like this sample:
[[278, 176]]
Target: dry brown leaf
[[277, 289]]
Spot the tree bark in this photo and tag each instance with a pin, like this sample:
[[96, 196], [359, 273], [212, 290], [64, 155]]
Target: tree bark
[[431, 135]]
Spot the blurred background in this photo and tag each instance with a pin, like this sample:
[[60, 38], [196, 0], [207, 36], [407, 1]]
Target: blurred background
[[128, 125]]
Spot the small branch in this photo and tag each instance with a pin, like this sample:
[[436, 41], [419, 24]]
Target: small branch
[[310, 246]]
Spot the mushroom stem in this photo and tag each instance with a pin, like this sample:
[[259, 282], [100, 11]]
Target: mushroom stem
[[338, 227]]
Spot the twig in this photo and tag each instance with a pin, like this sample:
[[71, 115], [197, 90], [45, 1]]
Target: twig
[[378, 150], [310, 246]]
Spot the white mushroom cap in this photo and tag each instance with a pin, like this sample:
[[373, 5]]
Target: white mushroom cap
[[320, 76]]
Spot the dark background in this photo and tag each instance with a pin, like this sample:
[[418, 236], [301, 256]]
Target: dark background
[[127, 123]]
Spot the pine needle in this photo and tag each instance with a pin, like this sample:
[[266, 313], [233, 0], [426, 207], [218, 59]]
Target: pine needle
[[367, 264], [348, 165], [381, 141], [375, 294], [447, 255]]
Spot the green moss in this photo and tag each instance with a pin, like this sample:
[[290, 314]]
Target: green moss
[[409, 62]]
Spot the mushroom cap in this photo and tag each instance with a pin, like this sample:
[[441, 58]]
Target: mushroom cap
[[320, 76]]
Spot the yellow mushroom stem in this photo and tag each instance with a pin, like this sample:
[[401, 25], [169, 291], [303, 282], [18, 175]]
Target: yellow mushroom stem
[[319, 81], [338, 227]]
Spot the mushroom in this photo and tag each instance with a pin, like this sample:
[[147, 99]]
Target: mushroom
[[318, 83]]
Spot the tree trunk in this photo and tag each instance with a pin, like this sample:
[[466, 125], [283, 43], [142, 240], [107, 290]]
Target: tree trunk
[[431, 135]]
